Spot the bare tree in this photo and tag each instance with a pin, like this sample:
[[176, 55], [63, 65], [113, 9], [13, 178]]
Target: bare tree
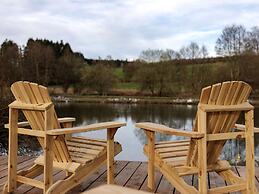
[[194, 50], [231, 41], [168, 54], [184, 53], [151, 55], [204, 51], [253, 40]]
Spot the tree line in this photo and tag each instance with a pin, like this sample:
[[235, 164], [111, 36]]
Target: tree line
[[53, 63], [156, 72], [191, 51], [171, 78], [186, 71]]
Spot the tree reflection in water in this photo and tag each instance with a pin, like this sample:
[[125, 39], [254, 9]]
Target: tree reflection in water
[[132, 139]]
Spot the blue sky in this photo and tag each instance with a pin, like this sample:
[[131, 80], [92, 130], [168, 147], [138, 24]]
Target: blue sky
[[123, 28]]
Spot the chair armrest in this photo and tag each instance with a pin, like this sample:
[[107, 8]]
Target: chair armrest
[[241, 127], [20, 124], [168, 131], [26, 123], [92, 127], [34, 107], [246, 106], [66, 120]]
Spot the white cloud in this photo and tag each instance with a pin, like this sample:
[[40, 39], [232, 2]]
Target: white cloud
[[123, 28]]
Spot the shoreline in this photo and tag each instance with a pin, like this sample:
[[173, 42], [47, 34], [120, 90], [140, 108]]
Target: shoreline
[[125, 99], [132, 99]]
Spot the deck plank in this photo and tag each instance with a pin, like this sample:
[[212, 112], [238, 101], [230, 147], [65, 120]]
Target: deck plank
[[131, 174], [126, 173], [103, 178], [158, 178], [242, 172], [188, 180], [90, 180], [165, 187], [138, 177]]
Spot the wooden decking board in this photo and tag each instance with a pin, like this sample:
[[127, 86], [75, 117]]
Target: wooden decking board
[[158, 178], [21, 166], [3, 160], [242, 173], [187, 179], [90, 180], [127, 173], [4, 166], [165, 186], [139, 176], [123, 177], [103, 178]]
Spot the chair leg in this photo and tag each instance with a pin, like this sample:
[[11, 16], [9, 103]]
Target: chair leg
[[110, 155], [48, 162], [250, 161], [48, 151], [151, 159], [12, 153], [202, 153]]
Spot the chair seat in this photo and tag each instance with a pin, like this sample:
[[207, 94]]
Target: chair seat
[[173, 153], [83, 149]]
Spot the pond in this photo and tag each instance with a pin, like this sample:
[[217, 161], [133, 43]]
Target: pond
[[132, 138]]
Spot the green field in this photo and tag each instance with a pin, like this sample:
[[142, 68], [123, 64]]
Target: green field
[[119, 73], [127, 85]]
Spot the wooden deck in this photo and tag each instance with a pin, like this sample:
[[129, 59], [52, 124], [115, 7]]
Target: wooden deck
[[127, 173]]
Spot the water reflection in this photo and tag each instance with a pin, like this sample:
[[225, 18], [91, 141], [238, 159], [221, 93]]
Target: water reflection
[[131, 138]]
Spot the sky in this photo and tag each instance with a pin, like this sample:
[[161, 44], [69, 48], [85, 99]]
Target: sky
[[123, 28]]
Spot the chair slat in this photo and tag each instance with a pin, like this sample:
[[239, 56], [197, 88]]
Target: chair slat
[[242, 93], [60, 140], [210, 98], [31, 93], [218, 121], [40, 99], [227, 93]]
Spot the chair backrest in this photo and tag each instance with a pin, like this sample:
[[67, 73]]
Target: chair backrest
[[31, 93], [226, 93]]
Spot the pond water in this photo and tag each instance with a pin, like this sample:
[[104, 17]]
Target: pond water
[[133, 139]]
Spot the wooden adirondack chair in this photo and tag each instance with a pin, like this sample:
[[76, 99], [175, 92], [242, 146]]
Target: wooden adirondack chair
[[77, 156], [218, 110]]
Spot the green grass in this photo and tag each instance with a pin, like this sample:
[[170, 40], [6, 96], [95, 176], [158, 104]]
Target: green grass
[[119, 73], [127, 85]]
